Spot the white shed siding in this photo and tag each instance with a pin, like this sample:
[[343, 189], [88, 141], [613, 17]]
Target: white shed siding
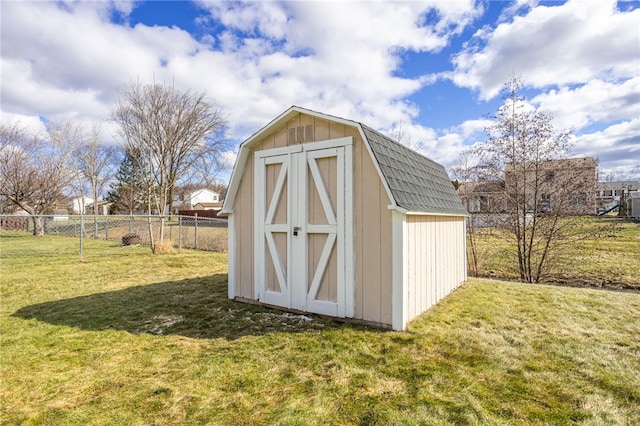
[[434, 266]]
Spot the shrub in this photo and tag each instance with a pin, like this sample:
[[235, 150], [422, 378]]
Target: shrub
[[163, 247]]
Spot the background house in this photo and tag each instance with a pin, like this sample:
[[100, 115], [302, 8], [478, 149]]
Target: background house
[[483, 197], [634, 201], [609, 194], [80, 205], [187, 200], [101, 208], [568, 185], [208, 206], [210, 210], [328, 216]]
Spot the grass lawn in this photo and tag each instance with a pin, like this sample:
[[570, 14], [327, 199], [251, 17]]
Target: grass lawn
[[126, 337], [609, 258]]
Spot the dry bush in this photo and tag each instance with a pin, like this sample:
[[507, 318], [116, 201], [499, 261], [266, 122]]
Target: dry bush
[[163, 247], [216, 243]]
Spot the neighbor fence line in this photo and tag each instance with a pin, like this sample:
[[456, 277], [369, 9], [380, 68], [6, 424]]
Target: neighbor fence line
[[188, 232]]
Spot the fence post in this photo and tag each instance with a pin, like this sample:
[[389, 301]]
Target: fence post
[[106, 228], [81, 235], [195, 244], [180, 232]]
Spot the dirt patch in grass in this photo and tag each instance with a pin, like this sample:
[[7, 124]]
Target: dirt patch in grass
[[194, 308], [591, 283]]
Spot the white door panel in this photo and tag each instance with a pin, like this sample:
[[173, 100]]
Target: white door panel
[[300, 228]]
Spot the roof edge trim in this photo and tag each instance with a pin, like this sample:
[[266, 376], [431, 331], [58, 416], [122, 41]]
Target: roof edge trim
[[419, 213]]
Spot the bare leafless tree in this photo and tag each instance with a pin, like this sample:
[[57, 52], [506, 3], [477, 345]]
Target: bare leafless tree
[[543, 190], [94, 162], [34, 171], [403, 135], [173, 131], [220, 187], [465, 172]]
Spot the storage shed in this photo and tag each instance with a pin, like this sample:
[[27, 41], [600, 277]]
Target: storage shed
[[328, 216]]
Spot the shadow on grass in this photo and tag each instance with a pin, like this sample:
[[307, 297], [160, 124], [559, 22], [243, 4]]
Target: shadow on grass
[[195, 308]]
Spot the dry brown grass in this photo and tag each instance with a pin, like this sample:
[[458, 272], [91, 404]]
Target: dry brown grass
[[163, 247]]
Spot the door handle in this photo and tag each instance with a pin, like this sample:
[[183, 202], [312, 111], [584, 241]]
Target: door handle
[[295, 230]]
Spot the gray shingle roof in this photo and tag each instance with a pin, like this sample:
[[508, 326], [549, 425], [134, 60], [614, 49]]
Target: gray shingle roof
[[417, 183]]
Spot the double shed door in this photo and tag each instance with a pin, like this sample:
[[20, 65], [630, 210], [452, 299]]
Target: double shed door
[[304, 232]]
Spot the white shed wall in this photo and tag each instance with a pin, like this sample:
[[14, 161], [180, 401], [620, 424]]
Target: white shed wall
[[435, 260]]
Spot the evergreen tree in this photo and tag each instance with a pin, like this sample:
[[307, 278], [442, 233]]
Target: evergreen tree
[[128, 194]]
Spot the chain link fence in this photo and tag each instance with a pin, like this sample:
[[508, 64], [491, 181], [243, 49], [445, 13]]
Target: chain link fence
[[182, 232]]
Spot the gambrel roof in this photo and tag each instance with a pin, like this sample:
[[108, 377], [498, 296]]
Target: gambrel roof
[[414, 183], [417, 183]]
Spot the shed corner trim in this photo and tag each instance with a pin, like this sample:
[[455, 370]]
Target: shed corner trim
[[231, 255], [399, 293]]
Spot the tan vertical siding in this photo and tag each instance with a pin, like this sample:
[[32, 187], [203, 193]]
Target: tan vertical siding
[[373, 242], [368, 218], [435, 259], [280, 139], [372, 224], [321, 130], [244, 233]]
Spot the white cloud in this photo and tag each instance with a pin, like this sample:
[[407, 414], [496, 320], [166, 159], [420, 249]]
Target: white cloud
[[471, 128], [555, 45], [320, 57], [342, 58], [60, 61], [265, 18], [592, 102], [69, 58], [30, 123], [228, 159], [618, 146], [26, 95], [451, 142]]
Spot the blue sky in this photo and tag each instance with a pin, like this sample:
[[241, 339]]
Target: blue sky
[[431, 69]]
